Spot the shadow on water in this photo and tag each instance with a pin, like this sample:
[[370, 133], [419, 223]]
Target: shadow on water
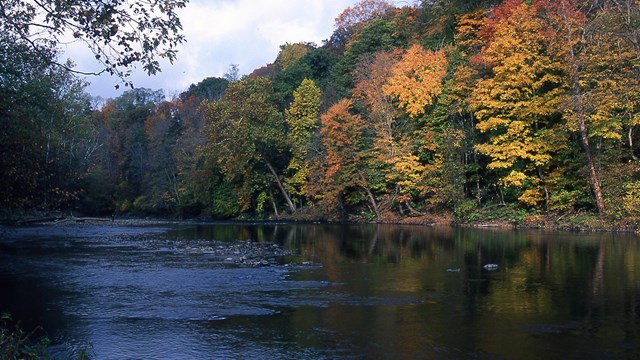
[[325, 291]]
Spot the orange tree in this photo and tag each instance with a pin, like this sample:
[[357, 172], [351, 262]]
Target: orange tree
[[345, 181], [415, 82]]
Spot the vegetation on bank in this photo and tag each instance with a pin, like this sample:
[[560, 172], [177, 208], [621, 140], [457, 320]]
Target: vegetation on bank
[[15, 343], [488, 112], [19, 344]]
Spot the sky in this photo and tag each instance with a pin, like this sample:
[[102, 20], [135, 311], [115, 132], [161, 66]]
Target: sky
[[224, 32]]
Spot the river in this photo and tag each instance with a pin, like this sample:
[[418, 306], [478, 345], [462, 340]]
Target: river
[[294, 291]]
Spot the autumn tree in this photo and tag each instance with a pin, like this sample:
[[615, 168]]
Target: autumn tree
[[616, 41], [345, 181], [376, 35], [414, 82], [417, 79], [387, 130], [302, 116], [161, 192], [353, 19], [570, 23], [123, 158], [517, 104], [600, 51], [467, 68], [371, 77]]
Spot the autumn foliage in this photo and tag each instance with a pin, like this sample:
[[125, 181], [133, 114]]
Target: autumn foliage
[[433, 108], [417, 79]]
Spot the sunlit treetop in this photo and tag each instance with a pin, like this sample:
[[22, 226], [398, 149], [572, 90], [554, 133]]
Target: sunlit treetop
[[292, 53], [356, 17], [120, 33]]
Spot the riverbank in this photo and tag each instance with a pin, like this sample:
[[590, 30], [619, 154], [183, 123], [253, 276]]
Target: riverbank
[[504, 218], [496, 216]]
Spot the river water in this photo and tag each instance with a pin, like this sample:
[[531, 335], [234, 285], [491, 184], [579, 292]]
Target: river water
[[283, 291]]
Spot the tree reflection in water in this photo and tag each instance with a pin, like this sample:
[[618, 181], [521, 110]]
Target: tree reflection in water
[[351, 291]]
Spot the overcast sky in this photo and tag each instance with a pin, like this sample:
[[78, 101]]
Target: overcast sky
[[224, 32]]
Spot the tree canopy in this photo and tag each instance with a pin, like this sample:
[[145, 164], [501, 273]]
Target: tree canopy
[[513, 109], [120, 33]]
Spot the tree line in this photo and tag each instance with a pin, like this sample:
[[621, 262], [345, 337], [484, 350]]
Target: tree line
[[439, 107]]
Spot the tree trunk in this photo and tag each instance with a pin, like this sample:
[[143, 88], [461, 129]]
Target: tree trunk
[[593, 174], [281, 187], [412, 210], [372, 199], [633, 155], [273, 203], [578, 109]]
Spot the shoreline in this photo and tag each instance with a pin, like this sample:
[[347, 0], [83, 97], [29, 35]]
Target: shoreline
[[576, 223]]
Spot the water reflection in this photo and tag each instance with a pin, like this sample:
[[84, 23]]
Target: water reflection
[[350, 292], [553, 291]]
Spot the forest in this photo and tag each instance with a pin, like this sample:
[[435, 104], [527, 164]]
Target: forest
[[463, 109]]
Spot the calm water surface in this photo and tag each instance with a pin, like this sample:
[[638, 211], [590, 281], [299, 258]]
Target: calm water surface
[[180, 291]]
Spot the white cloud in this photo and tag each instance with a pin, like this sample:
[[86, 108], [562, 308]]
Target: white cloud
[[224, 32]]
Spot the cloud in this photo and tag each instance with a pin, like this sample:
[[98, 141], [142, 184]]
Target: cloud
[[224, 32]]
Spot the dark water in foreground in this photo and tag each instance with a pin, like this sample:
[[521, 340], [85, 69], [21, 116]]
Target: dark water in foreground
[[180, 291]]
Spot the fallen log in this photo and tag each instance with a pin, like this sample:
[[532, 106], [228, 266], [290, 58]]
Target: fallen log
[[82, 219]]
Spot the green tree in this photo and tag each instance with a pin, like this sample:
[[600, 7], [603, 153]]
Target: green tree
[[197, 180], [377, 35], [46, 139], [291, 54], [356, 17], [315, 64], [120, 34], [246, 140], [211, 89]]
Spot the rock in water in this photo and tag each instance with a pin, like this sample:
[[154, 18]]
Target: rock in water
[[491, 267]]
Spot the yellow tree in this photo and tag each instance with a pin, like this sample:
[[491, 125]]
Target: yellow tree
[[302, 117], [601, 52], [598, 48], [618, 36], [517, 104], [415, 81], [291, 53]]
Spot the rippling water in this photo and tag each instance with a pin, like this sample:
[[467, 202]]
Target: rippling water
[[201, 291]]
